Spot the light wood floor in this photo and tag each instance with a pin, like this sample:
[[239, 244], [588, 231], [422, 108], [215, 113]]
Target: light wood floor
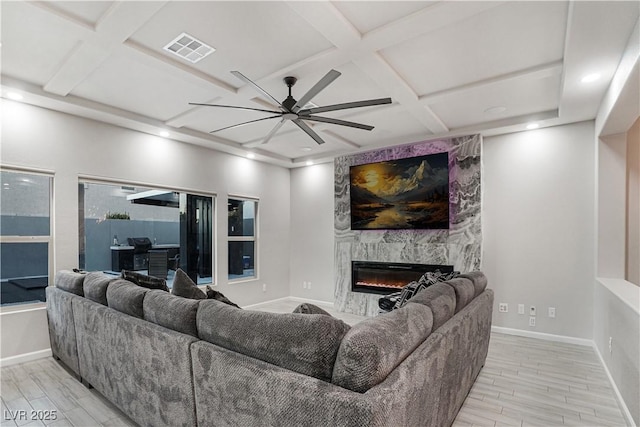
[[524, 382]]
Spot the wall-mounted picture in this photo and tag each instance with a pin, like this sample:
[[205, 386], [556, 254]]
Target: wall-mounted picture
[[410, 193]]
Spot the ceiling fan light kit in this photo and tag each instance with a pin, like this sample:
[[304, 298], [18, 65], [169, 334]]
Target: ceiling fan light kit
[[293, 110]]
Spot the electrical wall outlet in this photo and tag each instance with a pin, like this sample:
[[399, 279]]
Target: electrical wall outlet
[[520, 308], [552, 312], [503, 307], [532, 321], [308, 285], [610, 344], [264, 287], [532, 310]]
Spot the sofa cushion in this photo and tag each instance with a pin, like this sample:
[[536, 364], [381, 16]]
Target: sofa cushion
[[184, 287], [95, 286], [478, 279], [126, 297], [465, 292], [70, 281], [306, 308], [374, 347], [171, 311], [441, 299], [145, 281], [427, 279], [306, 344]]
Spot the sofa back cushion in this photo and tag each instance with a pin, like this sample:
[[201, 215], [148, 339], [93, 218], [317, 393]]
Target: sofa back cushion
[[95, 286], [304, 343], [171, 311], [374, 347], [464, 289], [478, 279], [126, 297], [441, 299], [70, 281]]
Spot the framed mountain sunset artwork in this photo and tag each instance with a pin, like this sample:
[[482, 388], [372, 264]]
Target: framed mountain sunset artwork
[[411, 193]]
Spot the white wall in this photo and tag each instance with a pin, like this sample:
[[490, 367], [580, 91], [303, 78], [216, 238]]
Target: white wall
[[538, 216], [71, 147], [312, 215]]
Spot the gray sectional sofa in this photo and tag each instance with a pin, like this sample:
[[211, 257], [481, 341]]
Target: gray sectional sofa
[[171, 361]]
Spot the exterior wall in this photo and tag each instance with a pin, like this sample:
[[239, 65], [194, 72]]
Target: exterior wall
[[74, 147]]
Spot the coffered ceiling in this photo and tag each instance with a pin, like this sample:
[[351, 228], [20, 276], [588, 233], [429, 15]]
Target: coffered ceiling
[[450, 67]]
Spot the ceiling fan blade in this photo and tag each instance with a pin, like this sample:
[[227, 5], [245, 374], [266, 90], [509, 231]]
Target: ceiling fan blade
[[270, 135], [305, 127], [316, 89], [245, 123], [245, 79], [336, 122], [357, 104], [233, 106]]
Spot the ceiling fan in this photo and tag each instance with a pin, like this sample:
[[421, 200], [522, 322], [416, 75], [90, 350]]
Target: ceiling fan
[[293, 110]]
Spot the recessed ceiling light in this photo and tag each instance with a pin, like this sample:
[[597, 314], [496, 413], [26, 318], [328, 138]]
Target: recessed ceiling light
[[533, 126], [590, 78], [306, 149], [164, 133], [309, 163], [251, 156], [15, 96], [189, 48], [495, 110]]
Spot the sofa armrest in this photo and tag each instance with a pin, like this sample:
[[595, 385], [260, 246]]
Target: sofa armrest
[[233, 389]]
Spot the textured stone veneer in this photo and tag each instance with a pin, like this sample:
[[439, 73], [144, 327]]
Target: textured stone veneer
[[460, 245]]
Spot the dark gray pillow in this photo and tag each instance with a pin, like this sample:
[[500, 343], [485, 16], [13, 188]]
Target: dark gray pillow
[[145, 281], [126, 297], [95, 287], [306, 308], [219, 296], [184, 287], [70, 281]]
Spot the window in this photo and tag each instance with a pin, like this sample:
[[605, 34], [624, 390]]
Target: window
[[25, 236], [242, 238], [150, 230]]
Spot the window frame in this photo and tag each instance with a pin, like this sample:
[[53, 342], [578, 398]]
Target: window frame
[[48, 239], [90, 179], [254, 239]]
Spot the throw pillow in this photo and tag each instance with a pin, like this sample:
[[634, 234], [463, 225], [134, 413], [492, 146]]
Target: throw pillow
[[219, 296], [184, 287], [388, 302], [145, 281], [424, 282], [306, 308]]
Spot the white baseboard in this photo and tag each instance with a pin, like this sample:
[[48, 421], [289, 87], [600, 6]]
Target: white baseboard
[[287, 299], [577, 341], [27, 357], [543, 336], [621, 403], [265, 302], [312, 301]]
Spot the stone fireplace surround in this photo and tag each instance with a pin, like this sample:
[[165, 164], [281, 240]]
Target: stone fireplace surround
[[460, 245]]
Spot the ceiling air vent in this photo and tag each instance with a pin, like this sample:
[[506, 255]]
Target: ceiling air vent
[[189, 48]]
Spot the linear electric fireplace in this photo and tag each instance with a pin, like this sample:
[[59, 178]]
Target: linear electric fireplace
[[388, 277]]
